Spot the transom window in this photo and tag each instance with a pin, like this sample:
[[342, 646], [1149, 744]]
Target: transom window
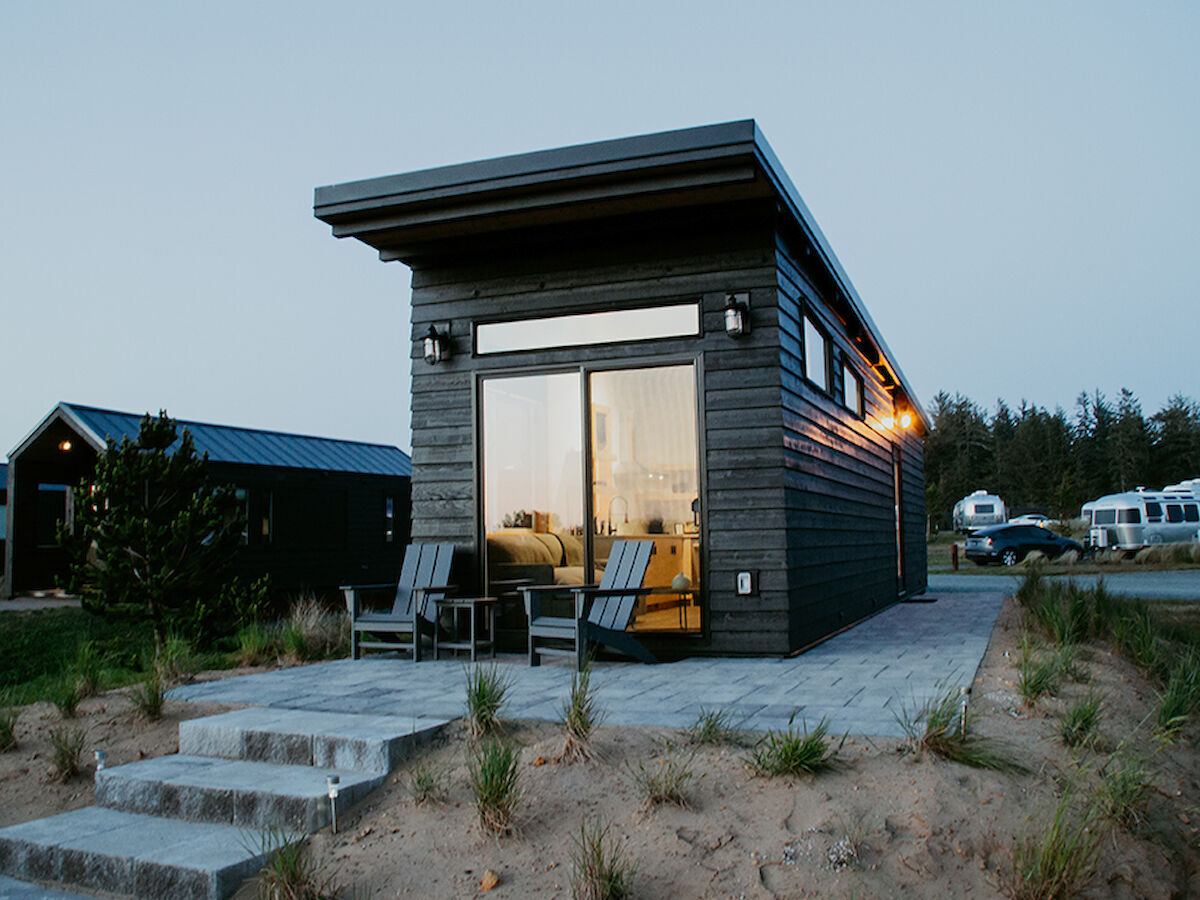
[[608, 327]]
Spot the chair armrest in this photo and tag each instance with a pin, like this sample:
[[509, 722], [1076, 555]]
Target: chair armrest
[[352, 594], [422, 596]]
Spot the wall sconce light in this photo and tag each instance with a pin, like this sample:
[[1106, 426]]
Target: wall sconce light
[[64, 446], [737, 314], [903, 421], [437, 346]]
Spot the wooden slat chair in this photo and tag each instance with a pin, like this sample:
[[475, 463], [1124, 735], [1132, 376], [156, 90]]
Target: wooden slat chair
[[602, 613], [423, 578]]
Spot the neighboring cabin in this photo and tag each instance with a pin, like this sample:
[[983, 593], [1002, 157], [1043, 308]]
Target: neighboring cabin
[[650, 338], [3, 506], [319, 512]]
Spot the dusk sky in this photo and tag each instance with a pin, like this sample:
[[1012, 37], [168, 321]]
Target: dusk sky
[[1013, 188]]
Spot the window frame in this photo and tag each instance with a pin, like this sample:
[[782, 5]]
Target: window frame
[[808, 324]]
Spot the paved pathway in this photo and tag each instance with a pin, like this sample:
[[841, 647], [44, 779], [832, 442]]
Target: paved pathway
[[858, 679], [1180, 584]]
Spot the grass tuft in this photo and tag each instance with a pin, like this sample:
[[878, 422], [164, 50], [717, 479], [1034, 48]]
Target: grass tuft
[[66, 752], [600, 869], [8, 722], [257, 643], [486, 691], [715, 726], [1124, 784], [794, 752], [1057, 863], [1038, 673], [1077, 726], [149, 695], [88, 666], [312, 631], [290, 872], [581, 715], [64, 693], [495, 784], [428, 783], [1181, 697], [665, 781], [944, 726]]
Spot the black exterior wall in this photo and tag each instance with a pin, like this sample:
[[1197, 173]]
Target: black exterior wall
[[794, 486]]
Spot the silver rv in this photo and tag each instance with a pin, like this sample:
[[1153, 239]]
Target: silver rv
[[979, 510], [1137, 519]]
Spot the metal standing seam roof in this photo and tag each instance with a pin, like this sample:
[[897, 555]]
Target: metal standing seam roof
[[252, 447]]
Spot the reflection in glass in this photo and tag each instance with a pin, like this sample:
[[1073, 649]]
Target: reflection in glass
[[532, 480], [588, 328], [645, 483], [814, 355]]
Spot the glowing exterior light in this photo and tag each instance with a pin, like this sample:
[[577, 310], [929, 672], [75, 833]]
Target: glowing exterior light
[[888, 422], [906, 420], [737, 314], [64, 446]]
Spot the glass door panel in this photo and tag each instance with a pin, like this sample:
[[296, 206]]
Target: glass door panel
[[645, 484]]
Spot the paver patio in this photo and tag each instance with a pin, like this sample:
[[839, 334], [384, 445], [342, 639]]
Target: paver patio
[[858, 679]]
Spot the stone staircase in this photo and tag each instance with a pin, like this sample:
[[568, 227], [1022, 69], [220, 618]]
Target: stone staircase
[[198, 823]]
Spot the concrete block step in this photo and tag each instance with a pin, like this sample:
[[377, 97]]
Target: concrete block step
[[12, 889], [231, 792], [126, 854], [297, 737]]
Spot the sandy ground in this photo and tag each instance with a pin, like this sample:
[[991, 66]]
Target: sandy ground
[[883, 824]]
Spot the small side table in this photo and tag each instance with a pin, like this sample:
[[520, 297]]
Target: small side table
[[474, 641]]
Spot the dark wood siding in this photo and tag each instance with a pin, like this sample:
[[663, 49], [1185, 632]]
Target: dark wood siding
[[839, 480]]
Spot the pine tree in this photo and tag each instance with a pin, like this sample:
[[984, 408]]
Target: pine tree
[[152, 539], [1130, 441]]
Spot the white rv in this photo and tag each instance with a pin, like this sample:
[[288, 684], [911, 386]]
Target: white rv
[[979, 510], [1137, 519]]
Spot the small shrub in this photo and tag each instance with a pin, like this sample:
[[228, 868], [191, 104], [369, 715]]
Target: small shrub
[[428, 783], [944, 726], [1136, 637], [290, 872], [1057, 863], [714, 727], [599, 868], [149, 695], [486, 690], [793, 753], [665, 781], [8, 722], [64, 693], [580, 716], [1124, 783], [176, 659], [256, 644], [1031, 588], [66, 750], [495, 784], [1105, 608], [1078, 724]]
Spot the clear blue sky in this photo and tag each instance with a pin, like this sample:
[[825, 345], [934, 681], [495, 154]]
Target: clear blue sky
[[1012, 187]]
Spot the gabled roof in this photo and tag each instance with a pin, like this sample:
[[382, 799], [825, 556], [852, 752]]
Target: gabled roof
[[244, 446], [399, 215]]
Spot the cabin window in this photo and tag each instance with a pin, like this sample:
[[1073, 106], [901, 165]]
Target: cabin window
[[1153, 511], [389, 520], [243, 499], [852, 391], [1129, 516], [1191, 513], [984, 509], [609, 327], [816, 366], [1106, 517], [1174, 512], [51, 513]]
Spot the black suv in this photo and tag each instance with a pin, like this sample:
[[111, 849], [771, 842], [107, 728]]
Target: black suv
[[1009, 544]]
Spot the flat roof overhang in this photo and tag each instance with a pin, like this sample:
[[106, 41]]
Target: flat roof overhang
[[403, 216]]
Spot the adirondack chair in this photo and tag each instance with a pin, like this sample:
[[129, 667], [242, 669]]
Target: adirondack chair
[[602, 613], [423, 579]]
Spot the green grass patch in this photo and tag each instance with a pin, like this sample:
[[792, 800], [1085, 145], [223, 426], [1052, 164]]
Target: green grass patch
[[944, 725], [600, 869], [581, 715], [1058, 861], [665, 780], [486, 691], [793, 752], [1077, 726], [494, 777]]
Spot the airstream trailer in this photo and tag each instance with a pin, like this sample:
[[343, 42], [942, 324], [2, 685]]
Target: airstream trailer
[[1136, 519], [979, 510]]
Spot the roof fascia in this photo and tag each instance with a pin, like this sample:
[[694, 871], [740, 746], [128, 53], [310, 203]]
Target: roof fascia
[[61, 413]]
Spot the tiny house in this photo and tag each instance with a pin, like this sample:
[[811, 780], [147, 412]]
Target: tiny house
[[650, 338], [979, 509], [318, 512]]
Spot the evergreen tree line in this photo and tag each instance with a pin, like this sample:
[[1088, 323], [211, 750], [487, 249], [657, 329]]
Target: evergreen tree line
[[1056, 461]]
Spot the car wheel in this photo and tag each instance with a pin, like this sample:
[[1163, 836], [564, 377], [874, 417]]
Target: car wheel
[[1008, 558]]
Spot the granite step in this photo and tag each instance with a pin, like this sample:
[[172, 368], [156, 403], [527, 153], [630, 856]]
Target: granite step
[[127, 854], [346, 741], [232, 792]]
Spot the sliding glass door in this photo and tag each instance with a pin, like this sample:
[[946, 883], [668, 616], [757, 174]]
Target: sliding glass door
[[551, 512]]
